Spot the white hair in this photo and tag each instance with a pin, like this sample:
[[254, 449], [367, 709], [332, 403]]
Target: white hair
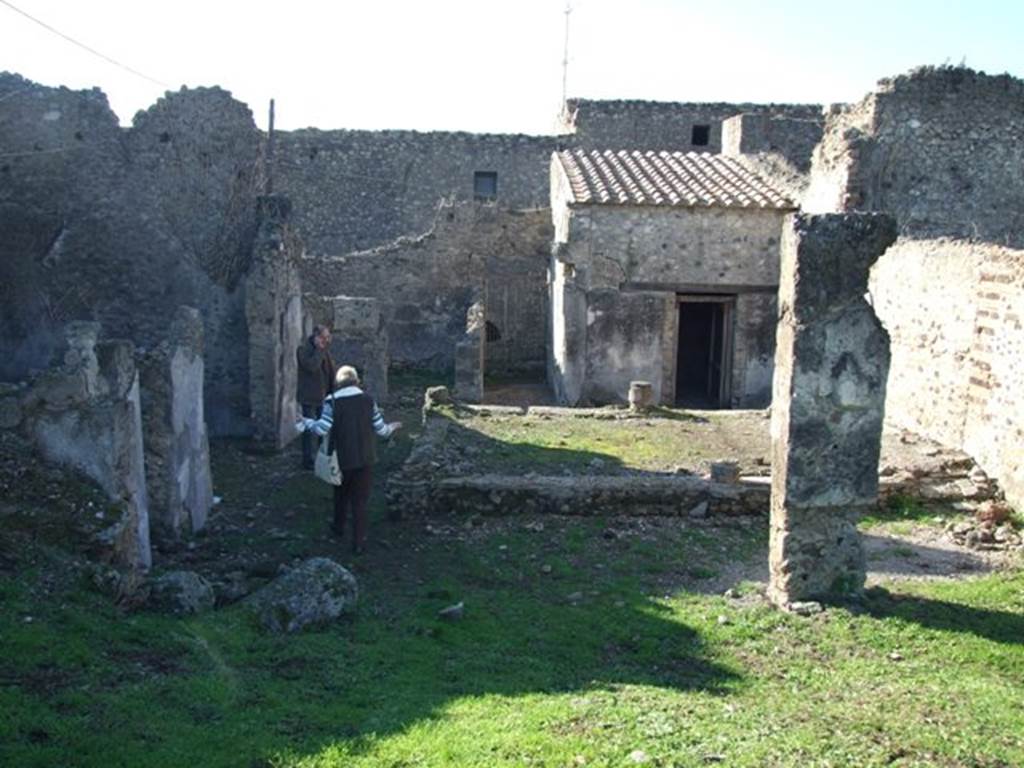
[[346, 376]]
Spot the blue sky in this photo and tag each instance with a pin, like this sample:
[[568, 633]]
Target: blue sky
[[496, 65]]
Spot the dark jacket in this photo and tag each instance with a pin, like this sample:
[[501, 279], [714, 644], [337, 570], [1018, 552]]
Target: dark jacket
[[316, 373]]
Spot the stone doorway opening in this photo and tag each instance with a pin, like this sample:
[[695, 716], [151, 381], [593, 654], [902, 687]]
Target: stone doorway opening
[[704, 351]]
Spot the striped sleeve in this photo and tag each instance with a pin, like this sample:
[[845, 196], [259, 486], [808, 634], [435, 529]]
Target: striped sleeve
[[379, 426], [322, 425]]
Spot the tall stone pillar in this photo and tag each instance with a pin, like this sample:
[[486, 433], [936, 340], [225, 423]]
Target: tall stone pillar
[[177, 448], [831, 363], [273, 313]]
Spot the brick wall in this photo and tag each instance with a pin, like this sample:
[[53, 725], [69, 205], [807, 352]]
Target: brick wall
[[952, 312]]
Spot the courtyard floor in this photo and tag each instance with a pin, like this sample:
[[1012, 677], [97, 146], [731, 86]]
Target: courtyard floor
[[586, 641]]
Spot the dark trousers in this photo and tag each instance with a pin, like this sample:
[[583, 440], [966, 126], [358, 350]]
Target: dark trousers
[[308, 449], [353, 494]]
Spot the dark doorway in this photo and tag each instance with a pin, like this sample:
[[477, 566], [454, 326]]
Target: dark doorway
[[702, 360]]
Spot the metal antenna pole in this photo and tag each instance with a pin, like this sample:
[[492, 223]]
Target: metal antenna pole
[[565, 55]]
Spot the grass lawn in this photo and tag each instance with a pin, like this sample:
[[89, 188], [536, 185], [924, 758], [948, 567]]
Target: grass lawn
[[585, 642], [661, 442]]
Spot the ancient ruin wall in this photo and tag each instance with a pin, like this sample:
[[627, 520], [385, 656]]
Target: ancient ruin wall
[[425, 284], [792, 139], [123, 225], [356, 190], [669, 125], [940, 149], [954, 312]]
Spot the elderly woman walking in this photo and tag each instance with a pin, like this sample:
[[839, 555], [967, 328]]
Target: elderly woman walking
[[349, 419]]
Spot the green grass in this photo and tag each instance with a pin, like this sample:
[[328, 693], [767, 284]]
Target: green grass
[[658, 442], [901, 513], [584, 640], [530, 676]]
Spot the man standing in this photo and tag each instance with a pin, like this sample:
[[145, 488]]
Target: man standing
[[315, 381]]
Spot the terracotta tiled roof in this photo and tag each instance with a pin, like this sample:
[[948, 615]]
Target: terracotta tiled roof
[[685, 179]]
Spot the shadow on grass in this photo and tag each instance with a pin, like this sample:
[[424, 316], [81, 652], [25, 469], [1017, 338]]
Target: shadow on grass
[[897, 556], [998, 626]]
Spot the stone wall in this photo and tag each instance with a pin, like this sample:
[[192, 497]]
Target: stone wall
[[791, 138], [941, 150], [669, 125], [426, 283], [356, 190], [360, 339], [123, 225], [615, 276], [953, 312]]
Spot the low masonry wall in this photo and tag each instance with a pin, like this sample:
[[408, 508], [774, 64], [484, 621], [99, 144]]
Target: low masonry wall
[[913, 468]]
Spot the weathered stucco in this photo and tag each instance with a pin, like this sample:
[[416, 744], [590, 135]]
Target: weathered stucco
[[178, 479]]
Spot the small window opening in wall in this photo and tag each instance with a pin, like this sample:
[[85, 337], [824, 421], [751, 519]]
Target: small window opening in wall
[[485, 185], [493, 334], [700, 136]]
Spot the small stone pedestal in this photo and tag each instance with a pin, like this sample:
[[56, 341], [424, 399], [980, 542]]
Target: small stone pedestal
[[831, 363], [641, 396], [469, 357]]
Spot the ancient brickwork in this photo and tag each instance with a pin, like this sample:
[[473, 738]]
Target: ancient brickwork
[[792, 138], [994, 432], [360, 339], [470, 355], [355, 190], [670, 125], [831, 365], [123, 225], [426, 283], [940, 149], [952, 309]]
